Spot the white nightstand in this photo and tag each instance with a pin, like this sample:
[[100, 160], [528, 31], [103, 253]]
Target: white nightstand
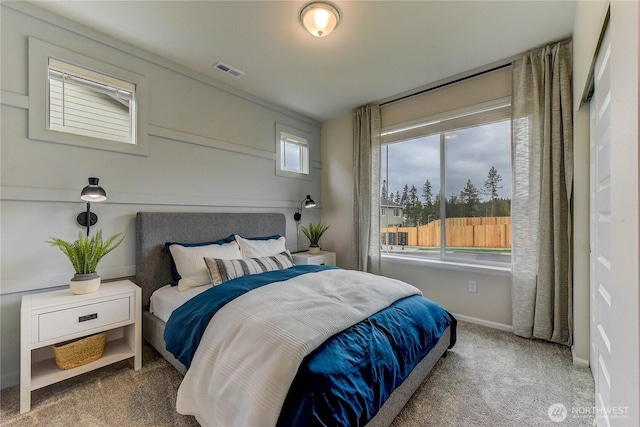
[[51, 317], [321, 258]]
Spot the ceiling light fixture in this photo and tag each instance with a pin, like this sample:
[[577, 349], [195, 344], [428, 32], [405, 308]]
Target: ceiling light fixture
[[320, 18]]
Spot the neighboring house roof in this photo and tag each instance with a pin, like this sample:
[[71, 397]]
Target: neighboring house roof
[[386, 203]]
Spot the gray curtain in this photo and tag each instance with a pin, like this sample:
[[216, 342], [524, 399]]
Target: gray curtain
[[366, 189], [542, 161]]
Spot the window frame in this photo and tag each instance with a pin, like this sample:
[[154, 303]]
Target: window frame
[[39, 54], [304, 140], [472, 116]]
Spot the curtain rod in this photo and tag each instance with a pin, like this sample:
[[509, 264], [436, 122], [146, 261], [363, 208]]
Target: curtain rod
[[438, 86], [473, 73]]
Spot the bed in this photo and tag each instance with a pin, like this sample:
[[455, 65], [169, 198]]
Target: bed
[[153, 271]]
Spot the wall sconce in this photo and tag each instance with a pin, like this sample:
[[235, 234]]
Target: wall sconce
[[91, 193], [307, 202], [320, 18]]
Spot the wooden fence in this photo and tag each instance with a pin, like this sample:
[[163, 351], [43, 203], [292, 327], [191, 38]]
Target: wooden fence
[[476, 232]]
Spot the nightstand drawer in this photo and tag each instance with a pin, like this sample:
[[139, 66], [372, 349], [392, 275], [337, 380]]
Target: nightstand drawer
[[321, 258], [59, 323], [328, 259]]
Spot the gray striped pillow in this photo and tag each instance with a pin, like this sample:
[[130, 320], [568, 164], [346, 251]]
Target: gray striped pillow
[[221, 270]]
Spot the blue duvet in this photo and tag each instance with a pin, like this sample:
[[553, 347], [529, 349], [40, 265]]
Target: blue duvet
[[348, 378]]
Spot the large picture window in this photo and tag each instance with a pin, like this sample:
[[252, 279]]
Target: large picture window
[[451, 178]]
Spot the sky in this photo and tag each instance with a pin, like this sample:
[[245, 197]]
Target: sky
[[469, 154]]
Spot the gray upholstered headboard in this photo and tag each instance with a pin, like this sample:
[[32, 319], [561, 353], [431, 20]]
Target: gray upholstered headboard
[[154, 229]]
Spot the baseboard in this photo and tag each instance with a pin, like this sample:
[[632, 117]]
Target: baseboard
[[581, 363], [488, 323]]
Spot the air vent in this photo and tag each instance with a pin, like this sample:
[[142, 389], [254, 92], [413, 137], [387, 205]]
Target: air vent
[[228, 69]]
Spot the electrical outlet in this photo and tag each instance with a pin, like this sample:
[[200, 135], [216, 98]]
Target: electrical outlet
[[472, 286]]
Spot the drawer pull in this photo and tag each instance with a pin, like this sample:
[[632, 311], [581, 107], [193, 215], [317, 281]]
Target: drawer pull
[[322, 263], [88, 317]]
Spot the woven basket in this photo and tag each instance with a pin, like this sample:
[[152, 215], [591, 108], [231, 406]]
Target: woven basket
[[78, 352]]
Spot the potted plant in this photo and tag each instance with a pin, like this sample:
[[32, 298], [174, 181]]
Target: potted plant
[[313, 233], [84, 254]]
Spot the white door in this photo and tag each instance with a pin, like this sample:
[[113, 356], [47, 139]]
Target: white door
[[600, 277]]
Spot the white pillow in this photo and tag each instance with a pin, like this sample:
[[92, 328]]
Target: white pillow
[[222, 270], [190, 263], [260, 248]]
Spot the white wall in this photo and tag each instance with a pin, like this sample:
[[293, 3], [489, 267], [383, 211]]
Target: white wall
[[337, 188], [210, 149]]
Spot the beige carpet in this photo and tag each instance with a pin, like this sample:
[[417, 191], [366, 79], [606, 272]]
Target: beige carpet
[[490, 378]]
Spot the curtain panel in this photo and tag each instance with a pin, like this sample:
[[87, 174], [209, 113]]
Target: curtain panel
[[542, 162], [366, 190]]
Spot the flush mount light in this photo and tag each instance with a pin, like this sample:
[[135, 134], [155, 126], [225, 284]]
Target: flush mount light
[[320, 18]]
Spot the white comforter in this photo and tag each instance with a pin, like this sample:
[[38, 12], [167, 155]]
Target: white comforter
[[252, 348]]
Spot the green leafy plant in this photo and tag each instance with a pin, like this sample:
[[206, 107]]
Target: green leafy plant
[[85, 253], [314, 232]]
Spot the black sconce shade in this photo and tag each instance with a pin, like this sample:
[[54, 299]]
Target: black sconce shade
[[91, 193], [306, 203]]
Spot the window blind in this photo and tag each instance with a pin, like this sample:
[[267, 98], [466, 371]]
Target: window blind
[[88, 103], [488, 112]]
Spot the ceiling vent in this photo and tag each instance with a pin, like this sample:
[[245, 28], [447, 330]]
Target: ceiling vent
[[228, 69]]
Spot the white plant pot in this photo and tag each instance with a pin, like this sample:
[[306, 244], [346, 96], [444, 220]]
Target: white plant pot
[[314, 249], [84, 283]]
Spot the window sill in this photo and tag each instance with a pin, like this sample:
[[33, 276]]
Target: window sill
[[448, 265]]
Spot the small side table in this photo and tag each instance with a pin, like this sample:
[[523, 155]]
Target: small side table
[[321, 258], [52, 317]]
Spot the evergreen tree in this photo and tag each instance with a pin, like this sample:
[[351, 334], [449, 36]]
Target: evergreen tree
[[470, 194], [383, 193], [470, 198], [405, 195], [427, 194], [413, 206], [492, 185]]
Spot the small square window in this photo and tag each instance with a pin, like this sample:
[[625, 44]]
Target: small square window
[[292, 153]]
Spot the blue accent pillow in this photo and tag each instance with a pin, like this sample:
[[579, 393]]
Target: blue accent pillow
[[233, 237], [274, 237]]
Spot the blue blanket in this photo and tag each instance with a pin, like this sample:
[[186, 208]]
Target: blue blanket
[[346, 380]]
